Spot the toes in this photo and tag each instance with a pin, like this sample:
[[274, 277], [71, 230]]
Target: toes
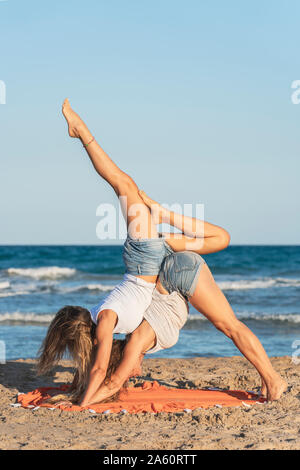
[[66, 103]]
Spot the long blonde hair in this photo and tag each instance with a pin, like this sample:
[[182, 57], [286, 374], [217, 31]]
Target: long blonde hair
[[72, 331]]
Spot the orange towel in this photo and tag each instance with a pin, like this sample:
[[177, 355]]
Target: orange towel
[[151, 397]]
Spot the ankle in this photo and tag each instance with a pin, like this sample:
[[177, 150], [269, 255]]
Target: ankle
[[83, 133]]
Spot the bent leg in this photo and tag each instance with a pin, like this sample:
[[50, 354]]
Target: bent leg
[[212, 303], [199, 236]]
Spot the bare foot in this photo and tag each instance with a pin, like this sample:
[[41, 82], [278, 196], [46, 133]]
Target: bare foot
[[276, 388], [75, 124], [147, 200], [157, 210]]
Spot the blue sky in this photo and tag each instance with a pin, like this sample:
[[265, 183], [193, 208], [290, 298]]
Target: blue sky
[[191, 98]]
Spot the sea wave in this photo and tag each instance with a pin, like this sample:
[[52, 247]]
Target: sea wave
[[193, 319], [4, 285], [49, 289], [260, 317], [47, 272], [13, 294], [26, 318], [263, 283], [87, 287]]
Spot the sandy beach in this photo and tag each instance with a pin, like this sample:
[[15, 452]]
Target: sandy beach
[[269, 426]]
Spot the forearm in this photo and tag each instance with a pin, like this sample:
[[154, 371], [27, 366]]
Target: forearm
[[142, 340], [117, 379], [95, 381], [104, 337]]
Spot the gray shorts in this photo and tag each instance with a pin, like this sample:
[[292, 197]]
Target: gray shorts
[[180, 272], [166, 315]]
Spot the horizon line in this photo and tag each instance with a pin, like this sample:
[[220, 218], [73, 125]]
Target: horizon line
[[121, 244]]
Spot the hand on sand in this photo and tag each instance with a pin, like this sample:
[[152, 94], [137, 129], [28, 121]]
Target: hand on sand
[[98, 397]]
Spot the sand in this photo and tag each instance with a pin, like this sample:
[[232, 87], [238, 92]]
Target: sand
[[270, 426]]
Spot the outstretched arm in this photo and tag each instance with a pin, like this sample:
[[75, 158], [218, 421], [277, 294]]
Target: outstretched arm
[[199, 236], [123, 185], [141, 340], [104, 336]]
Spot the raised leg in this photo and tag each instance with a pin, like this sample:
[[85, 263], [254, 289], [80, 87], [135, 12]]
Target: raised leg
[[132, 204], [211, 302]]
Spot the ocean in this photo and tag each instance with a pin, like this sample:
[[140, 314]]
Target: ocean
[[262, 283]]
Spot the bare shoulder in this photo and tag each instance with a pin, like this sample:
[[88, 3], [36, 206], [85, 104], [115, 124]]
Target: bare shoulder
[[107, 319]]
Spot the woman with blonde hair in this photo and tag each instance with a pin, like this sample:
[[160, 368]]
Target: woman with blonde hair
[[72, 331]]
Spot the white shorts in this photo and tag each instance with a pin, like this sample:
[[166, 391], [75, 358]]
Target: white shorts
[[129, 300]]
